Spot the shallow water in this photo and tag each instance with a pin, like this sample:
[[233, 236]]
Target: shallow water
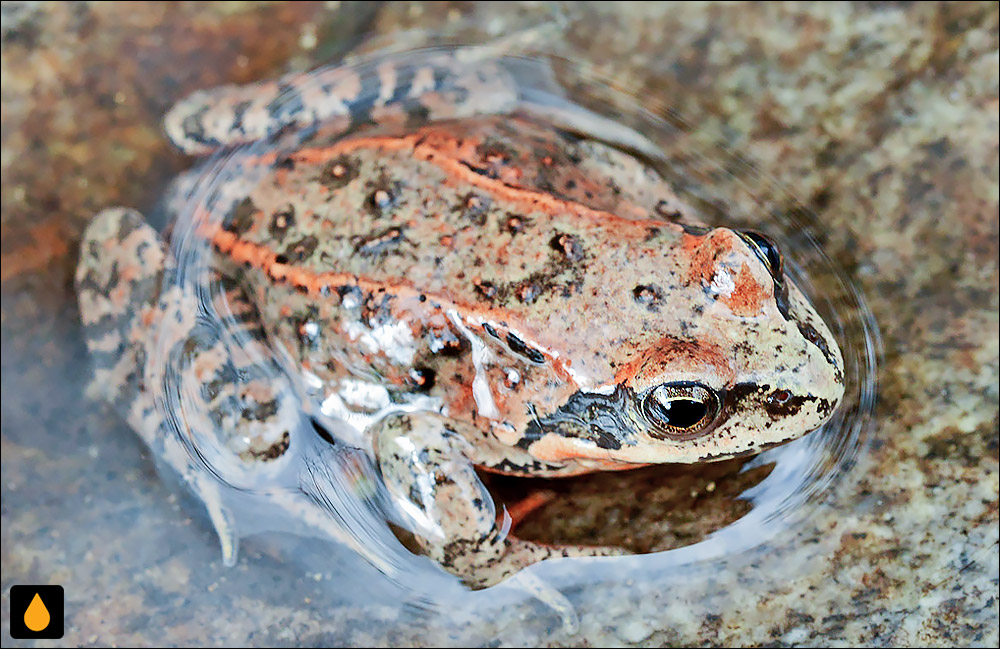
[[744, 509], [882, 116]]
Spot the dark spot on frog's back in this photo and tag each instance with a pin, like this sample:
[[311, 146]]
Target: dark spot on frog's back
[[286, 105], [486, 290], [282, 220], [382, 242], [447, 343], [475, 208], [652, 233], [648, 295], [422, 378], [518, 346], [384, 197], [376, 310], [568, 246], [339, 172], [528, 291], [495, 152], [516, 224], [285, 161], [301, 250], [240, 219], [350, 293]]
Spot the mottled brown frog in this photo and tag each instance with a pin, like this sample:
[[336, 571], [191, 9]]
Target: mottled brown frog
[[464, 289]]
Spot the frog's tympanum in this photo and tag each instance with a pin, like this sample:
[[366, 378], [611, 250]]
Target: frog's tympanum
[[464, 289]]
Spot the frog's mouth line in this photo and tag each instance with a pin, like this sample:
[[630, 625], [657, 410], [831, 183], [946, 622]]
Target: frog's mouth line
[[610, 421], [607, 420], [616, 420]]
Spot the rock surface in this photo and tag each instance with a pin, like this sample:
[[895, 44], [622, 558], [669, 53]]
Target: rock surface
[[882, 117]]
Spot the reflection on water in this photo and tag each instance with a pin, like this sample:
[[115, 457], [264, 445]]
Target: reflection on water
[[688, 521]]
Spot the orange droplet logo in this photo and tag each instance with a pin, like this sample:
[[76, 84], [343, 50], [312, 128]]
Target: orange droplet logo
[[36, 617]]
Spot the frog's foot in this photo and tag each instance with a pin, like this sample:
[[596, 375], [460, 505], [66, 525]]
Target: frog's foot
[[208, 490], [425, 466], [495, 563], [232, 428]]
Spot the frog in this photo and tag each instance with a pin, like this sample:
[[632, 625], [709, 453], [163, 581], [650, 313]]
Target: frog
[[466, 288]]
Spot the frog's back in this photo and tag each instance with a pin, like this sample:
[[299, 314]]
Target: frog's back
[[505, 223], [501, 267]]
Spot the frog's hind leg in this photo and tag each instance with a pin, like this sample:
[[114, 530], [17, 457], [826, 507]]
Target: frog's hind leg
[[120, 279], [422, 87], [239, 410], [121, 268]]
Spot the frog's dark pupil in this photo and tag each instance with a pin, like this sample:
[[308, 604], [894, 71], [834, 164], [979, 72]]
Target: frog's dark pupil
[[681, 413]]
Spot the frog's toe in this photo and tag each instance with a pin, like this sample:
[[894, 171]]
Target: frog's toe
[[208, 491]]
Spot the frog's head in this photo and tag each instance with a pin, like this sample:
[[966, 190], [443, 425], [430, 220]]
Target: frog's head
[[742, 364]]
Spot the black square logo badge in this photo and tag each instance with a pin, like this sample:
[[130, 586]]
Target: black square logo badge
[[36, 612]]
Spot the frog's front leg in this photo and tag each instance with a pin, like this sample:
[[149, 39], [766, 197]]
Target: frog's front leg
[[425, 465]]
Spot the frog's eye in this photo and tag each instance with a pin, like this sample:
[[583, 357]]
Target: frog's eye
[[767, 251], [680, 410]]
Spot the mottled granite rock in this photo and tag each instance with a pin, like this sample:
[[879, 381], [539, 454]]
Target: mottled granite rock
[[882, 117]]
